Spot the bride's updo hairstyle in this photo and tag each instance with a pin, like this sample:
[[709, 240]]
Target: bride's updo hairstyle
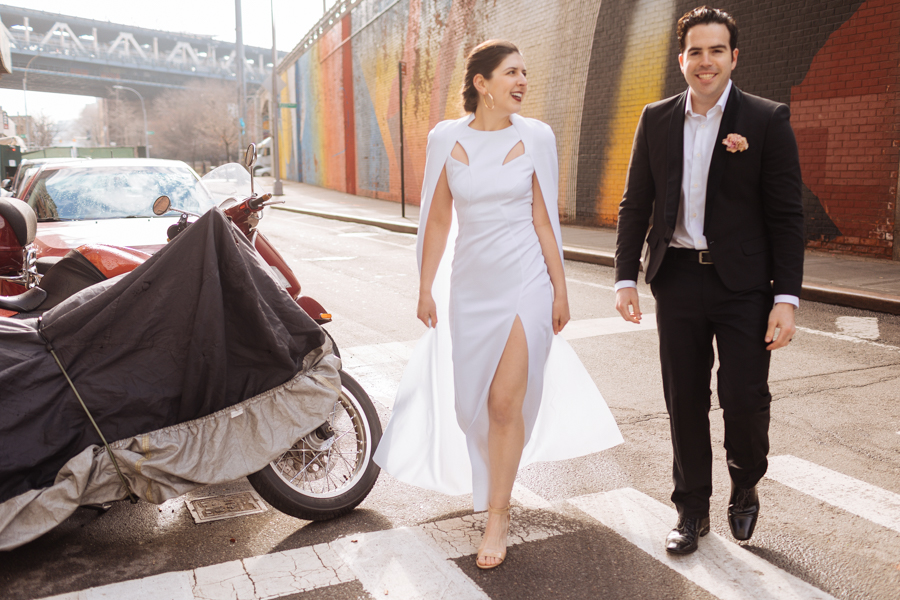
[[483, 59]]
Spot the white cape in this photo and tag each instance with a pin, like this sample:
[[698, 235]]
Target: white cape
[[424, 443]]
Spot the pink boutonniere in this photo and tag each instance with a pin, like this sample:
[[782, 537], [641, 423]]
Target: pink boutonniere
[[735, 143]]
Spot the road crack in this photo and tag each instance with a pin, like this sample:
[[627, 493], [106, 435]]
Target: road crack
[[250, 578]]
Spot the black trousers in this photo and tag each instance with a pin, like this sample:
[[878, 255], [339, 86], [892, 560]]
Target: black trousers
[[693, 307]]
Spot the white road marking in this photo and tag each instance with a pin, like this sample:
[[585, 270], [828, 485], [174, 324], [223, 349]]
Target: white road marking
[[610, 288], [406, 563], [416, 562], [848, 338], [462, 535], [527, 498], [403, 563], [852, 495], [719, 566], [376, 354], [586, 328], [256, 578], [172, 586], [328, 258], [861, 327]]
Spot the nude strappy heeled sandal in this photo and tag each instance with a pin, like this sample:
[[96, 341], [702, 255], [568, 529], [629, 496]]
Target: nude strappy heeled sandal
[[501, 554]]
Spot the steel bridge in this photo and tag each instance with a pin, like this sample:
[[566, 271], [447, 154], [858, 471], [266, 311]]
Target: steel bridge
[[74, 55]]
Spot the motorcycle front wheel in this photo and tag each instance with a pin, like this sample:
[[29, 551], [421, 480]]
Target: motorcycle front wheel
[[329, 472]]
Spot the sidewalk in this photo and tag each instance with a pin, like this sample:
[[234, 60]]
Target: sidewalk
[[866, 283]]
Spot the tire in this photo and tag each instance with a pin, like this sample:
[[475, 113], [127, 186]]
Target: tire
[[336, 485]]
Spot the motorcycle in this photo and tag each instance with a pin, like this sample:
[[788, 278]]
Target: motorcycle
[[325, 474]]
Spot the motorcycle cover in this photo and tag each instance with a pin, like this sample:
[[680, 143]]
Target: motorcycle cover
[[197, 367]]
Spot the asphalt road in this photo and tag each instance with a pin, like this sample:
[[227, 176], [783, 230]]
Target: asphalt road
[[582, 529]]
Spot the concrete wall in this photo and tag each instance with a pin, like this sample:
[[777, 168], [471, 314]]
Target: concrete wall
[[592, 66]]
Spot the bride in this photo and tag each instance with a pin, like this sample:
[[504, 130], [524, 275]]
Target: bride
[[494, 299]]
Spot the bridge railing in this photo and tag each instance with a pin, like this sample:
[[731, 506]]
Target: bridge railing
[[126, 51]]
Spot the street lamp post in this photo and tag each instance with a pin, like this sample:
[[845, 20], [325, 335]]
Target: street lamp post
[[276, 161], [25, 100], [239, 71], [144, 110]]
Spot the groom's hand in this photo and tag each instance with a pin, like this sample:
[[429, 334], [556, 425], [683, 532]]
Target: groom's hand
[[628, 305], [782, 318]]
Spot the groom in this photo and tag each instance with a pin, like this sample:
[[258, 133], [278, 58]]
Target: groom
[[715, 174]]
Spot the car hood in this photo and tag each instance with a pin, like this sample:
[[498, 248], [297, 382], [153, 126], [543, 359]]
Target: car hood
[[143, 233]]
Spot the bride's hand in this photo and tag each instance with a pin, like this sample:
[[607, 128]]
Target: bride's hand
[[560, 314], [427, 311]]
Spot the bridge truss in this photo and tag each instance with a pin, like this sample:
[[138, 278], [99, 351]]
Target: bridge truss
[[74, 55]]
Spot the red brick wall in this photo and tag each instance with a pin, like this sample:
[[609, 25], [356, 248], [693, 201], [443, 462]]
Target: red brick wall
[[846, 114]]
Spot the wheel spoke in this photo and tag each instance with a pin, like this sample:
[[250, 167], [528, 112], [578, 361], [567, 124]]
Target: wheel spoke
[[338, 465]]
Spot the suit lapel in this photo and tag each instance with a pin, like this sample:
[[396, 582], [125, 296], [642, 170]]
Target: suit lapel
[[717, 163], [675, 154]]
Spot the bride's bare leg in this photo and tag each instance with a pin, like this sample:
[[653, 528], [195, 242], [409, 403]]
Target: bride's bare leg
[[506, 435]]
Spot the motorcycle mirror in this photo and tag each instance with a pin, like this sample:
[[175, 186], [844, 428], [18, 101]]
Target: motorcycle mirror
[[250, 157], [249, 161], [161, 205]]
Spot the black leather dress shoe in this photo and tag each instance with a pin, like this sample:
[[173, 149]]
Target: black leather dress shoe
[[743, 509], [683, 539]]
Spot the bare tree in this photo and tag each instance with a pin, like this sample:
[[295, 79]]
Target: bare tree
[[43, 130], [126, 123], [90, 123], [197, 124]]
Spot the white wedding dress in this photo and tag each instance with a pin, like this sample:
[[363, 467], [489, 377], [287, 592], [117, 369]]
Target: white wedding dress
[[498, 273]]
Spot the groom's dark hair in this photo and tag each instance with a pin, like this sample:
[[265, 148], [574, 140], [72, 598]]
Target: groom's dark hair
[[704, 15]]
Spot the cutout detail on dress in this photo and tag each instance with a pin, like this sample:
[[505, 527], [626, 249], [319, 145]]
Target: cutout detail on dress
[[517, 151], [459, 153]]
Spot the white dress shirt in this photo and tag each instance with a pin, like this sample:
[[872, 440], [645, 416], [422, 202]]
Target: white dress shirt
[[700, 133]]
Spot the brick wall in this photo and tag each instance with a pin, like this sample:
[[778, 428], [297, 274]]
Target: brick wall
[[592, 66], [845, 113]]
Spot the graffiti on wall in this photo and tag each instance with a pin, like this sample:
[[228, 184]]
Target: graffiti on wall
[[592, 67]]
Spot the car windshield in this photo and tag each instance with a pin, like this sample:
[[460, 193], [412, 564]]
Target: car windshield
[[22, 177], [115, 192]]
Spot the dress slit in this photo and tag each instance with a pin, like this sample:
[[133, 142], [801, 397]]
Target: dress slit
[[527, 354], [485, 392]]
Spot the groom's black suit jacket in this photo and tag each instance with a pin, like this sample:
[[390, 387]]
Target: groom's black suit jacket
[[754, 213]]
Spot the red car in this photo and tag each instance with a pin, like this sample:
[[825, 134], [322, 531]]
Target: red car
[[105, 201]]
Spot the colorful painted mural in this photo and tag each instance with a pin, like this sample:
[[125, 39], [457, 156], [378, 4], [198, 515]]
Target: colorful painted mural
[[592, 66]]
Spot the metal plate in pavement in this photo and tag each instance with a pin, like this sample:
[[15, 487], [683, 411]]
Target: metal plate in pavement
[[214, 508]]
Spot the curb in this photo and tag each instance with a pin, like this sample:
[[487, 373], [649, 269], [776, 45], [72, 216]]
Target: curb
[[389, 225], [873, 301], [825, 294]]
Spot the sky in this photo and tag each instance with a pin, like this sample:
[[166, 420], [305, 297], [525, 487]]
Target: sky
[[293, 19]]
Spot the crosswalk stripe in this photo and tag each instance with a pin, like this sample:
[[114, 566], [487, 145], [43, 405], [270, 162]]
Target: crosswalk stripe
[[172, 586], [722, 568], [402, 563], [408, 563], [527, 498], [377, 354], [609, 288], [262, 577], [585, 328], [852, 495]]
